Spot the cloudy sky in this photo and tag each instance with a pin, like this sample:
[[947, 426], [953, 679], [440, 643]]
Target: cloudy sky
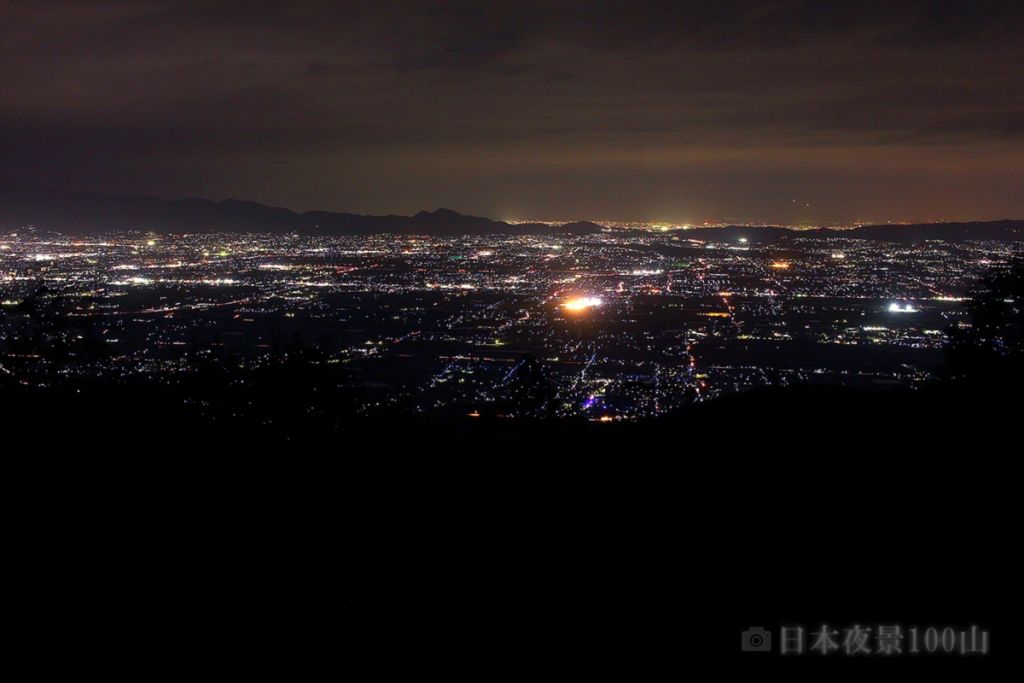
[[777, 111]]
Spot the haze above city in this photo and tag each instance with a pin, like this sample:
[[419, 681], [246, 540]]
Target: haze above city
[[785, 113]]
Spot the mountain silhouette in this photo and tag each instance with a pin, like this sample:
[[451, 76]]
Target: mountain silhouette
[[83, 213], [1001, 230]]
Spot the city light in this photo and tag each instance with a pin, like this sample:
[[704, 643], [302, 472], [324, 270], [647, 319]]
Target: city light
[[463, 312], [582, 303]]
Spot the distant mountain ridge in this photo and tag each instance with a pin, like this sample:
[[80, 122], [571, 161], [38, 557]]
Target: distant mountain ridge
[[84, 213], [1000, 230]]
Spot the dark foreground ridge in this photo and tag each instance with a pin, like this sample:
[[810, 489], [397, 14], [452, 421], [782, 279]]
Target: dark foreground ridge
[[85, 213], [150, 538]]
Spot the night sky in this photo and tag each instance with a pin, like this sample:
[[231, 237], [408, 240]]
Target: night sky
[[781, 111]]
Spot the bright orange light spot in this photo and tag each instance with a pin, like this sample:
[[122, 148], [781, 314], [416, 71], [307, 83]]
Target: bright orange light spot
[[717, 314], [780, 265], [581, 303]]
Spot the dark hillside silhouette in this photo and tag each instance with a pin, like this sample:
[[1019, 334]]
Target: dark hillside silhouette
[[146, 529], [989, 347], [250, 521]]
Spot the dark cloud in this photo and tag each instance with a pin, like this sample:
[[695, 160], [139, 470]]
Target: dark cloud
[[669, 110]]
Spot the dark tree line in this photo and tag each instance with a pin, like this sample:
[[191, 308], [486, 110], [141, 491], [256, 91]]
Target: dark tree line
[[990, 347]]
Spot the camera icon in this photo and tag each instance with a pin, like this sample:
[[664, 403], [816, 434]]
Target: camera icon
[[756, 639]]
